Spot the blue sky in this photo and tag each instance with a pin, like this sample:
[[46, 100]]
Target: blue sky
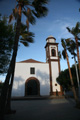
[[62, 14]]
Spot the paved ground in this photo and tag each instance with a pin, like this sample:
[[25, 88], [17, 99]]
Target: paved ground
[[49, 109]]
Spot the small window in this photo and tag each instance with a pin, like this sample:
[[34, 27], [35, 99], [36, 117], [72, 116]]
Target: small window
[[53, 52], [32, 70]]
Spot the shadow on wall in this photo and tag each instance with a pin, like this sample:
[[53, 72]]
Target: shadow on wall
[[18, 86], [44, 82]]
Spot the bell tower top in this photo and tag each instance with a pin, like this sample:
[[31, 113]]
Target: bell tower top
[[51, 39], [51, 49]]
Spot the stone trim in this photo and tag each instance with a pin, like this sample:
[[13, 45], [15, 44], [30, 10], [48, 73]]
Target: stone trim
[[50, 72], [47, 44], [54, 60]]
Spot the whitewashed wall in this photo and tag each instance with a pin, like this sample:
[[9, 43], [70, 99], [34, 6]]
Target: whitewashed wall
[[55, 74], [22, 73]]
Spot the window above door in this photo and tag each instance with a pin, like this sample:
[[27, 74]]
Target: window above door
[[32, 70]]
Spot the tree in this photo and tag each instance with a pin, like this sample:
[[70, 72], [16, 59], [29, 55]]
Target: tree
[[64, 78], [75, 31], [30, 9], [1, 85], [65, 55], [59, 57], [71, 48], [7, 33], [29, 39]]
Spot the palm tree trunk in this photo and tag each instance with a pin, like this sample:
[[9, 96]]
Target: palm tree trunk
[[77, 76], [6, 84], [76, 39], [8, 104], [72, 84], [4, 93]]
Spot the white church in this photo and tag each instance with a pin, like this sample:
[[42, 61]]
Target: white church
[[35, 78]]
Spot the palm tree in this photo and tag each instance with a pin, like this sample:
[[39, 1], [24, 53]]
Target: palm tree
[[65, 55], [59, 57], [31, 9], [29, 36], [71, 48], [75, 31]]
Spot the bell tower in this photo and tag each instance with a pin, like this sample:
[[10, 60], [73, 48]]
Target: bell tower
[[54, 64]]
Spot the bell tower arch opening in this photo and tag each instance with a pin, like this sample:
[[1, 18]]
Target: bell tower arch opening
[[53, 52]]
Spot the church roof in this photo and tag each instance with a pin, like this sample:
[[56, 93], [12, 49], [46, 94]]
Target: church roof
[[30, 61]]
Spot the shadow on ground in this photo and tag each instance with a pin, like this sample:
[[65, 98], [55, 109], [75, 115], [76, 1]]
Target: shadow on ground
[[54, 109]]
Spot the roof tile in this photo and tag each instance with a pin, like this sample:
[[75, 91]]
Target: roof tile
[[30, 61]]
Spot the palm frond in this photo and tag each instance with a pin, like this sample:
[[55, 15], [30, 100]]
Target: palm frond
[[26, 37], [75, 30], [27, 33], [10, 18], [23, 28], [63, 54], [63, 43], [59, 54], [26, 40], [27, 22], [24, 43], [30, 17], [15, 12], [41, 11], [39, 2], [68, 29], [24, 2], [68, 41]]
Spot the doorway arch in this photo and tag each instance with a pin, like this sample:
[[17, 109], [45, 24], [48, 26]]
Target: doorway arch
[[32, 86]]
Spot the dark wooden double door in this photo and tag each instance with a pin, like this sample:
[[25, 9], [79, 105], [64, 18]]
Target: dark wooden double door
[[32, 87]]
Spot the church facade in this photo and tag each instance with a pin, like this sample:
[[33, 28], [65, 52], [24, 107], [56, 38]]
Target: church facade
[[38, 78]]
